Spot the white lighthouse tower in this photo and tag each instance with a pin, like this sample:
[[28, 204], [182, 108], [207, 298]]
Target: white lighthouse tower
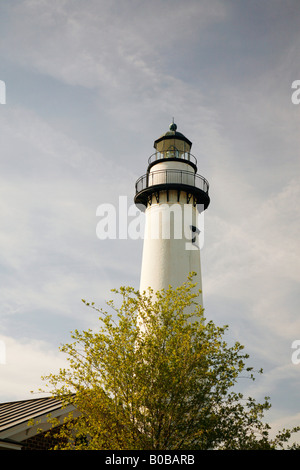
[[172, 195]]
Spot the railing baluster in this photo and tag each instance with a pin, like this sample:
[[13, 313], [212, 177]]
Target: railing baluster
[[171, 176], [163, 155]]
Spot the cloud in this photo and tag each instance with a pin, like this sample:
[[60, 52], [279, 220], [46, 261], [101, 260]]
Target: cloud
[[106, 42], [107, 48], [26, 361], [50, 255], [224, 72]]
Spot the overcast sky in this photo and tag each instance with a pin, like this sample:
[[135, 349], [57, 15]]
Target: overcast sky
[[90, 84]]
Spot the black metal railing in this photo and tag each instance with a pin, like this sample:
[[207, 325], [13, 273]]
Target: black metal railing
[[172, 154], [180, 177]]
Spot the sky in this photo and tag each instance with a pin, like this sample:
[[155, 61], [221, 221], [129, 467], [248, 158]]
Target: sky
[[89, 86]]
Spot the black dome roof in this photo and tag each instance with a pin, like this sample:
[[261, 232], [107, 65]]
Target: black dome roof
[[173, 134]]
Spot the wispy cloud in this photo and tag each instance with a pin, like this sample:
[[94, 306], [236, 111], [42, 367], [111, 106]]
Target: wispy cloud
[[20, 374], [224, 71]]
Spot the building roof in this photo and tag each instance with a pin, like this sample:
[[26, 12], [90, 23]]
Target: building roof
[[17, 412], [15, 417]]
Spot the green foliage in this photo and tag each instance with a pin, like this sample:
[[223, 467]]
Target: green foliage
[[156, 375]]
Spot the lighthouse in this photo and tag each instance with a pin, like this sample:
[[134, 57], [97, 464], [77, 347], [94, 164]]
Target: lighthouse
[[173, 197]]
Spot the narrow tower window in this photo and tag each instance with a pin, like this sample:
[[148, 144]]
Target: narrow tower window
[[196, 231]]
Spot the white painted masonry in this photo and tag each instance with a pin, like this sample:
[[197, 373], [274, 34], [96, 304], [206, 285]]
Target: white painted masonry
[[172, 194]]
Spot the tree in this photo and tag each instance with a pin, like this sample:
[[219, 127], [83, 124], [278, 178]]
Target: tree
[[157, 375]]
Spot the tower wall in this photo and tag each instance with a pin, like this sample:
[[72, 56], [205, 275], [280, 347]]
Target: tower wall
[[171, 172], [170, 249], [171, 192]]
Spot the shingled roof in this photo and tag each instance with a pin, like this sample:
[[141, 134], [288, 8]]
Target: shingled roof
[[15, 415], [17, 412]]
